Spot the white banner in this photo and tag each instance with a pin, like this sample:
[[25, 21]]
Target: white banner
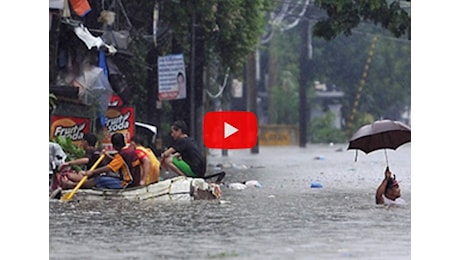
[[171, 77]]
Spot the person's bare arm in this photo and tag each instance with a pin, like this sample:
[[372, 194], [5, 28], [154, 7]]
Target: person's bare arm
[[381, 189], [79, 161], [170, 151], [145, 170], [90, 173]]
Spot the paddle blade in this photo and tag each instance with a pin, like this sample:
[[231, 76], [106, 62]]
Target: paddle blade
[[69, 196]]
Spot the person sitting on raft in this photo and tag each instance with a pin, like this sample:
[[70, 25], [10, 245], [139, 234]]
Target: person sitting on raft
[[124, 171], [69, 178]]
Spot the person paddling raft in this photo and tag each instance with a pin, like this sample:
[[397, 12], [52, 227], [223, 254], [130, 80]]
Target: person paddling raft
[[124, 171]]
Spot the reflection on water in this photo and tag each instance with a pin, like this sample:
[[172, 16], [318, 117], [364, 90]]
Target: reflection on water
[[285, 219]]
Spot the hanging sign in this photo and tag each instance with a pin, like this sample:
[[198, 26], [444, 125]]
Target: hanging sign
[[171, 77]]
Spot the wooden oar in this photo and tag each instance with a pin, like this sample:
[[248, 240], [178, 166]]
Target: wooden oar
[[69, 196]]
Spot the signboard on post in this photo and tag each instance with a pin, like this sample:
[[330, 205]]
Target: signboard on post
[[121, 120], [69, 126], [171, 77], [117, 120]]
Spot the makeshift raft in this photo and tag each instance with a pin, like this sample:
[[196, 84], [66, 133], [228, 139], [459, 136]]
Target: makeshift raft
[[179, 188]]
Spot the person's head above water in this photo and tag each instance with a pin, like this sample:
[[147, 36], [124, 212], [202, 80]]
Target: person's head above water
[[392, 190]]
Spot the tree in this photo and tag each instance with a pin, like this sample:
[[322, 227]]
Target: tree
[[340, 55], [387, 87], [345, 15], [341, 62], [231, 29], [226, 31]]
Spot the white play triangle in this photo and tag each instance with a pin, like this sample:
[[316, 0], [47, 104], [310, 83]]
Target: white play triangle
[[229, 130]]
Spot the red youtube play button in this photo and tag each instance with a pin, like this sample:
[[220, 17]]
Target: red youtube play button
[[230, 130]]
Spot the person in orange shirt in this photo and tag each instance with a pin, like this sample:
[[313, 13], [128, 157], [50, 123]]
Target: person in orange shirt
[[124, 171], [150, 171]]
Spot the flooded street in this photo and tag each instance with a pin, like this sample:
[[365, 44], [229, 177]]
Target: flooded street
[[283, 219]]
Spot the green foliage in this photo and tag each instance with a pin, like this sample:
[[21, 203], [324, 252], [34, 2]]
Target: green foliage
[[231, 29], [387, 87], [240, 26], [341, 59], [283, 85], [360, 120], [323, 131], [137, 74], [345, 15], [228, 31], [73, 151], [284, 101]]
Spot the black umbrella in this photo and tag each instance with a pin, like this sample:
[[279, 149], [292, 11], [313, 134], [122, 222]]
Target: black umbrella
[[382, 134]]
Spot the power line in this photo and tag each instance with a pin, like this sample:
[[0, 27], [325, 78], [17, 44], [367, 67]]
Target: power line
[[402, 40]]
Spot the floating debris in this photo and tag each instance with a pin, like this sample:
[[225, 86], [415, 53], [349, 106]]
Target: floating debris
[[253, 183], [316, 184], [237, 186]]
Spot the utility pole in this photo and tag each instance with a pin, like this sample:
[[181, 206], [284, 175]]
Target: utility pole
[[288, 16], [196, 83], [305, 75], [252, 91], [192, 77]]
